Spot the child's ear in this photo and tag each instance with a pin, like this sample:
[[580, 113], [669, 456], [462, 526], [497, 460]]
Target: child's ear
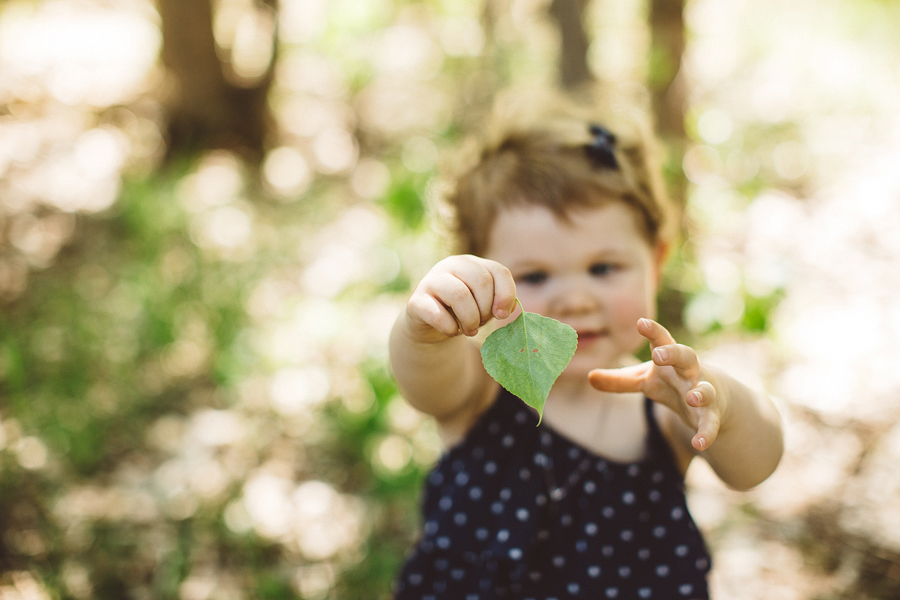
[[662, 253]]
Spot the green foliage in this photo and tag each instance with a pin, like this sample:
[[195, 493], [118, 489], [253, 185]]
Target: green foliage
[[528, 355]]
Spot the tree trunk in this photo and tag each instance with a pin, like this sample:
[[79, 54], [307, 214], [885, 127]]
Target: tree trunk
[[205, 109], [666, 86], [573, 66]]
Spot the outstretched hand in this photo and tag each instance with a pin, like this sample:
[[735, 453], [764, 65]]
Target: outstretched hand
[[673, 378]]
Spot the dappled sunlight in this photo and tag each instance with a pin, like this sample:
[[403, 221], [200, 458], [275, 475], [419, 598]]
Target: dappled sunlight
[[210, 348]]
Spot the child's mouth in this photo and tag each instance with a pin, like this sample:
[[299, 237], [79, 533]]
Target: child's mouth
[[586, 338]]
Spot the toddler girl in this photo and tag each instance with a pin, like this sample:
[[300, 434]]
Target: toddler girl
[[570, 219]]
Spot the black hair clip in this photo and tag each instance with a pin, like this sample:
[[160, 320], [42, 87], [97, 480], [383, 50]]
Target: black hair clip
[[600, 149]]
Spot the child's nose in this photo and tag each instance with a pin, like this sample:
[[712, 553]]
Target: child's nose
[[576, 298]]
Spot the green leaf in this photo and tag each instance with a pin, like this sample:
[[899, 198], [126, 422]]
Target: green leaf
[[527, 355]]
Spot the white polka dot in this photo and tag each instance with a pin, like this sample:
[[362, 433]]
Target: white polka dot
[[497, 508], [573, 588], [431, 527], [437, 478], [633, 470], [566, 520], [645, 592], [644, 554], [663, 570], [524, 474], [681, 550], [546, 440], [685, 589], [414, 578], [590, 487], [658, 477], [475, 493], [490, 467], [607, 551], [508, 440], [702, 564], [473, 597], [593, 571], [612, 592], [446, 503], [608, 511], [540, 459], [627, 535], [443, 542], [628, 498], [521, 417], [503, 535], [591, 529], [535, 576], [659, 532], [654, 495], [559, 562], [624, 572], [429, 596], [540, 500], [462, 478], [482, 533], [574, 452], [515, 553], [522, 514], [460, 518], [677, 513], [601, 465], [581, 546], [457, 574]]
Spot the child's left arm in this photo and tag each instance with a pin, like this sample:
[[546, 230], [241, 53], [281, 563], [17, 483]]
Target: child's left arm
[[711, 407]]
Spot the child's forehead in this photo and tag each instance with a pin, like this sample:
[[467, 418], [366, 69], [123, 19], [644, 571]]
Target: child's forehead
[[527, 229]]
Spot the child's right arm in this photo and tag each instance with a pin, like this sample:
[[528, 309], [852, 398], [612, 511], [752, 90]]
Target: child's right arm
[[438, 370]]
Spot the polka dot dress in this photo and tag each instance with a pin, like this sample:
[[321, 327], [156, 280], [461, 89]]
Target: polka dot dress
[[517, 511]]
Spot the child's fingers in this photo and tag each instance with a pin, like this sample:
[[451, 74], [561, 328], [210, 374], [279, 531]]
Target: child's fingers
[[431, 312], [457, 298], [682, 358], [504, 289], [626, 379], [474, 274], [654, 332], [707, 430], [702, 395]]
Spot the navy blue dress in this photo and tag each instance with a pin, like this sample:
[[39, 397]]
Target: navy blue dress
[[518, 511]]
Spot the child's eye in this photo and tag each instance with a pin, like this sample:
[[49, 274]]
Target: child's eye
[[533, 277], [601, 268]]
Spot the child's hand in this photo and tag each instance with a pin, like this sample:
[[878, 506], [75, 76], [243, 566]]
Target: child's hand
[[459, 295], [673, 378]]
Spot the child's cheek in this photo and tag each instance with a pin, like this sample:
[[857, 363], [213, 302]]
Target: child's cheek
[[626, 309]]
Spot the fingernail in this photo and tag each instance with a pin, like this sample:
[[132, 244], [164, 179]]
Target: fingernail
[[662, 354], [702, 442], [646, 323], [697, 397], [501, 313]]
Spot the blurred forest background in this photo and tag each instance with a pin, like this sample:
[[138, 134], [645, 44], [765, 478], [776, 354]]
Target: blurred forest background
[[211, 212]]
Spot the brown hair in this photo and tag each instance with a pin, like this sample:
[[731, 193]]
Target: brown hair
[[544, 159]]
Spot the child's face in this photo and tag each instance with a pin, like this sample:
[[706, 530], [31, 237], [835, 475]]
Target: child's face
[[597, 273]]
